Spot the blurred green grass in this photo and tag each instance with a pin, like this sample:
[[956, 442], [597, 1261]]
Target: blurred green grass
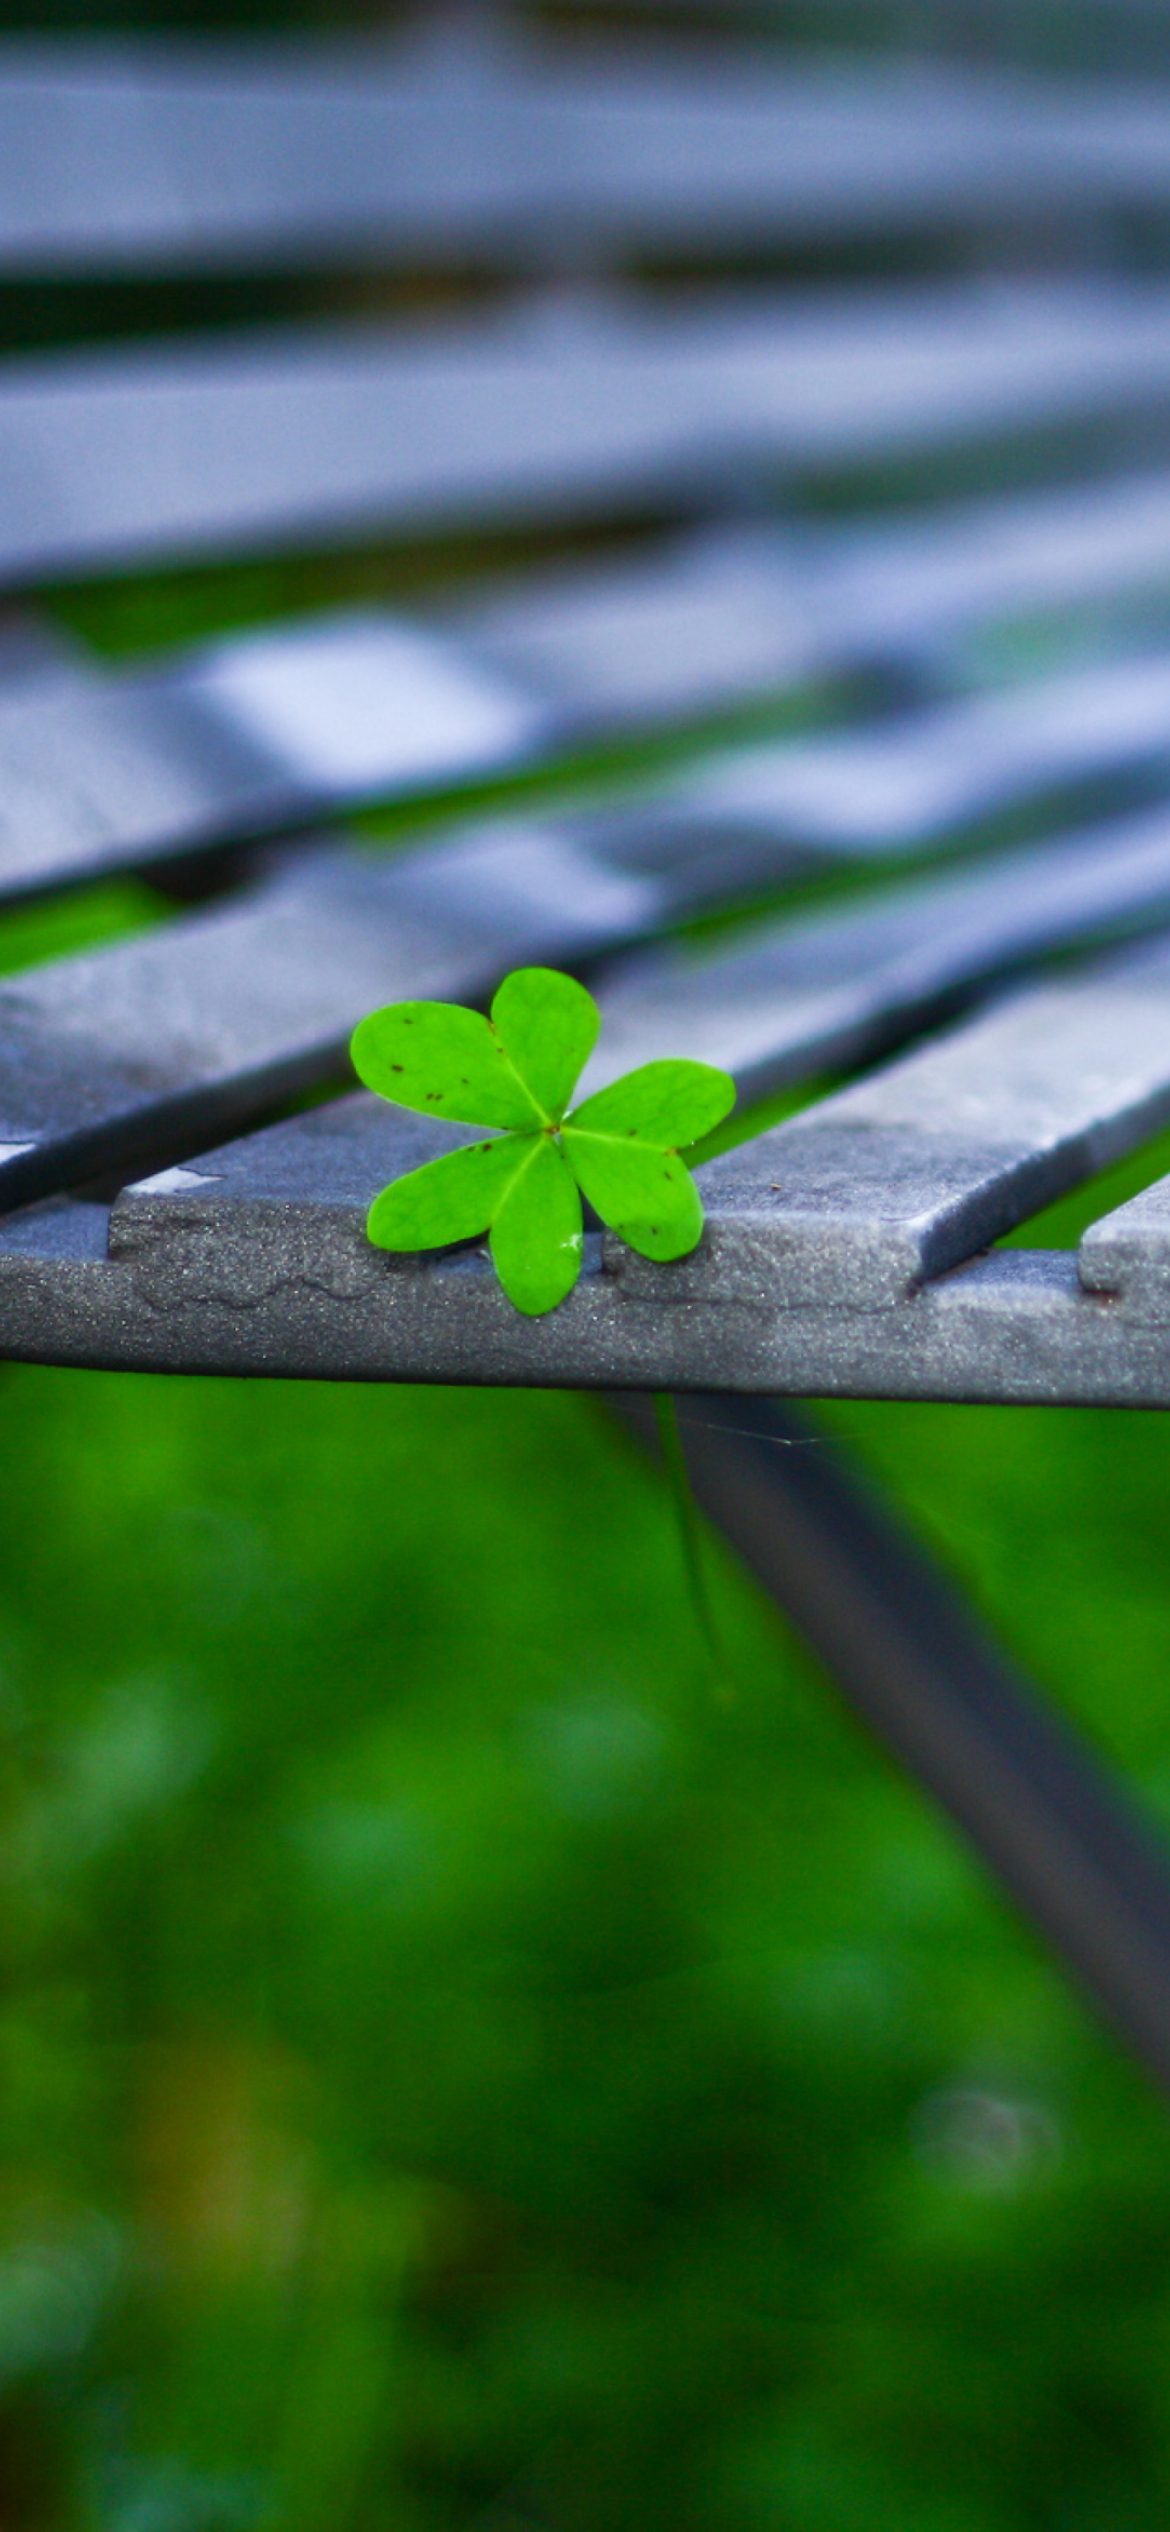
[[81, 919], [458, 2073]]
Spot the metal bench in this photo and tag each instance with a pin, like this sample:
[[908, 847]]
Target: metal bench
[[156, 1217]]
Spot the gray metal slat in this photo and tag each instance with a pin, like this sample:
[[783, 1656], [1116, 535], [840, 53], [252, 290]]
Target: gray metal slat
[[921, 778], [727, 611], [1126, 1255], [138, 157], [217, 446], [211, 447], [109, 1055], [947, 573], [911, 1172], [829, 990], [709, 618], [254, 1262], [202, 1024], [1117, 131], [749, 153], [99, 770], [102, 770]]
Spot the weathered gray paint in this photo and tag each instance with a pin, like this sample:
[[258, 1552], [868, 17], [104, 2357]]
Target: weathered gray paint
[[286, 1285]]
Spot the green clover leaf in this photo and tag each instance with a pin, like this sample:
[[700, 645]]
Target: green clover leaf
[[517, 1071]]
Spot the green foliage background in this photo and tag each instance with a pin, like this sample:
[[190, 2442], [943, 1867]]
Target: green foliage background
[[457, 2072]]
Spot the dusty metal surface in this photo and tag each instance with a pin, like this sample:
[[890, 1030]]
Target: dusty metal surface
[[253, 1259]]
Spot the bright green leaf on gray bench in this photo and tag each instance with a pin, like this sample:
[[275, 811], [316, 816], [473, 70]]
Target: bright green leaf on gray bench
[[518, 1071]]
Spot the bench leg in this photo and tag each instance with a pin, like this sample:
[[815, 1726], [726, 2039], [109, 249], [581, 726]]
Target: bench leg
[[1066, 1842]]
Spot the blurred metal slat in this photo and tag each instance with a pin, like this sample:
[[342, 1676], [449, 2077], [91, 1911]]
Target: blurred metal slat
[[101, 771], [898, 785], [741, 607], [134, 157], [824, 991], [221, 446]]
